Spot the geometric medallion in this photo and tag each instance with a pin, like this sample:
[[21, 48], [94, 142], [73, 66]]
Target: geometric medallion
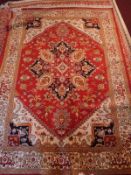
[[62, 77]]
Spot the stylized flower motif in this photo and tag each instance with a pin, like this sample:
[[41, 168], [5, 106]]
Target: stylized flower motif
[[61, 120]]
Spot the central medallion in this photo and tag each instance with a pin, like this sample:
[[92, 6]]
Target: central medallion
[[62, 77], [62, 69]]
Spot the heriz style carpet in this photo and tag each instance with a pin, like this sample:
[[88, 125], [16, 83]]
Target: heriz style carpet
[[65, 82]]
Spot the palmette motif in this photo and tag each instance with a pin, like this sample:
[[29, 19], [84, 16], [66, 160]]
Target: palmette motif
[[64, 81]]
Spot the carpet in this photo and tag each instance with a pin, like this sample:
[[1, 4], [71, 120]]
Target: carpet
[[65, 82]]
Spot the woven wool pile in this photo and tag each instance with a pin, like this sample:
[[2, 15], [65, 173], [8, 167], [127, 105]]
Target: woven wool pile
[[64, 88]]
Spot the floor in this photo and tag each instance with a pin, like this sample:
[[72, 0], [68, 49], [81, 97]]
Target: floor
[[125, 9]]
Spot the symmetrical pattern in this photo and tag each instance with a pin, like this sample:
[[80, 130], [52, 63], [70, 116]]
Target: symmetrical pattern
[[64, 90], [61, 68]]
